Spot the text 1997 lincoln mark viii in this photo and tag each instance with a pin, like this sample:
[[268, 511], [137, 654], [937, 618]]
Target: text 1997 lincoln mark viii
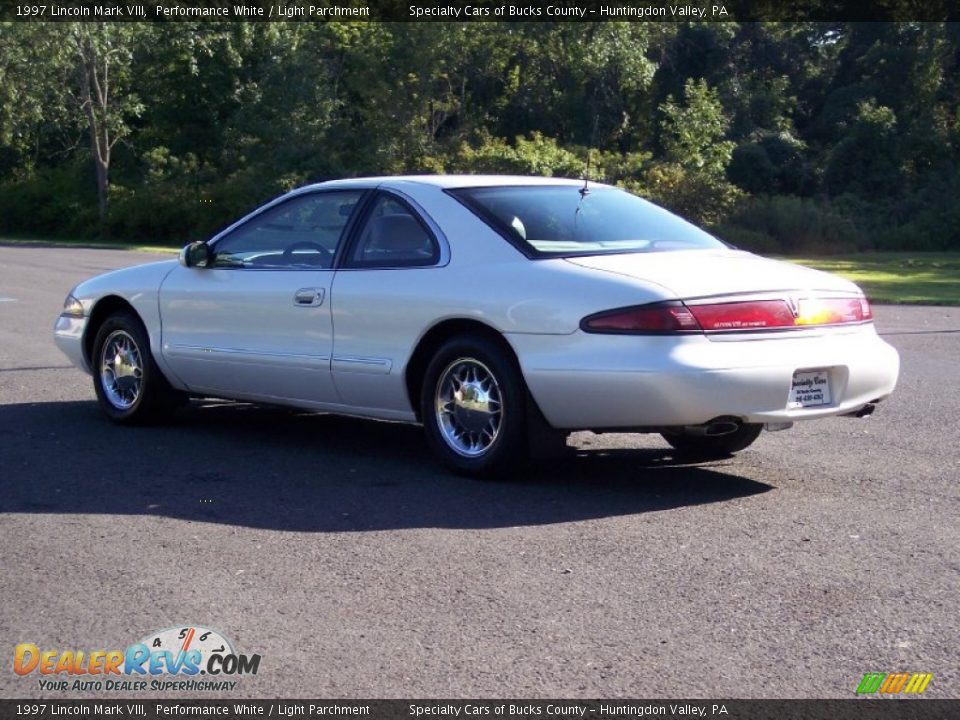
[[502, 313]]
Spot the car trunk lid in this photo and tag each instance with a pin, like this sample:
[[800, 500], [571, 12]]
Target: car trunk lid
[[707, 273]]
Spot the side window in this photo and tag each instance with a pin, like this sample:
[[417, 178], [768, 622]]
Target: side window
[[302, 233], [392, 236]]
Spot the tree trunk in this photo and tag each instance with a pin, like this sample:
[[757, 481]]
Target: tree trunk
[[94, 93], [102, 166]]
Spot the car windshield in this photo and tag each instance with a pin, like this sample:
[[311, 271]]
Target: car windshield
[[568, 220]]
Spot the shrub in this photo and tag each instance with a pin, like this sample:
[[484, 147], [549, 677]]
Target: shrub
[[53, 202], [538, 155], [793, 225], [702, 199]]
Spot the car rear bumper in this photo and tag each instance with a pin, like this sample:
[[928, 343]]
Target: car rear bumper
[[68, 335], [587, 381]]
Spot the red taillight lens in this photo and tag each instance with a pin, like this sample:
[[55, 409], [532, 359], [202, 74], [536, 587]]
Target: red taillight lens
[[656, 318], [763, 314], [742, 316], [754, 315]]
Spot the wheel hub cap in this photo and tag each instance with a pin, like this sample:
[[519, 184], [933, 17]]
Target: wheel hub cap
[[121, 371], [468, 407]]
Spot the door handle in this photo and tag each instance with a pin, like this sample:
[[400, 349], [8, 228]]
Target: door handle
[[308, 297]]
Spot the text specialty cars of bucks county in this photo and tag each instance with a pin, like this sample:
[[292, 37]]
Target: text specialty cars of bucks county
[[500, 312]]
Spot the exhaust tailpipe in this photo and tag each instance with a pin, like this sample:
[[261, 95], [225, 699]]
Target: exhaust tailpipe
[[714, 428], [865, 411]]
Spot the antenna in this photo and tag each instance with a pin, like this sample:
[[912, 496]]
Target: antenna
[[585, 190]]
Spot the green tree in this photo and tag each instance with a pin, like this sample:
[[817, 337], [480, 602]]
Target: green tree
[[693, 132], [692, 179], [99, 56]]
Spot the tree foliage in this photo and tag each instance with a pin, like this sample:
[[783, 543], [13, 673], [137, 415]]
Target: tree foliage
[[781, 136]]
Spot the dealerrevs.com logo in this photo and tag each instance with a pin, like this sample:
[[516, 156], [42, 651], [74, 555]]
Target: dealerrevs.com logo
[[189, 658]]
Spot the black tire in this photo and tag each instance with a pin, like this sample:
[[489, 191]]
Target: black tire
[[716, 446], [473, 359], [129, 385]]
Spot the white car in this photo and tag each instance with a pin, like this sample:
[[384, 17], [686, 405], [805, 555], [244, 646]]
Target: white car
[[502, 313]]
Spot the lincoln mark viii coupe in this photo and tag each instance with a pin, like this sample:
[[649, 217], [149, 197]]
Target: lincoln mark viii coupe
[[502, 313]]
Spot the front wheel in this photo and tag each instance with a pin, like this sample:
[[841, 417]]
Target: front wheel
[[129, 385], [473, 405], [708, 447]]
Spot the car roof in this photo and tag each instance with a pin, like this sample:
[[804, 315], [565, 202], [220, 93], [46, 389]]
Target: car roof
[[446, 181]]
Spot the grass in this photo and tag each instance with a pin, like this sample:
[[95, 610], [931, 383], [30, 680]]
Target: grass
[[98, 245], [900, 278]]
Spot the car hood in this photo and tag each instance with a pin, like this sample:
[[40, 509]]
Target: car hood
[[705, 273]]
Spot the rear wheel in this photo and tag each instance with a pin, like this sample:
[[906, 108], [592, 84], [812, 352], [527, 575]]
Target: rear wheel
[[129, 385], [473, 405], [713, 446]]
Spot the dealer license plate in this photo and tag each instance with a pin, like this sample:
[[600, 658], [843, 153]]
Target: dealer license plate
[[810, 388]]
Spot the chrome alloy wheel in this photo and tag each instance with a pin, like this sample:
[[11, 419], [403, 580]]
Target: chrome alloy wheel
[[469, 410], [121, 370]]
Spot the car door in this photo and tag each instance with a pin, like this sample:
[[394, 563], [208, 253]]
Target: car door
[[383, 300], [256, 323]]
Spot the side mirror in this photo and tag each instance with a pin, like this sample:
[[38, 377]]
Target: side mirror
[[196, 254]]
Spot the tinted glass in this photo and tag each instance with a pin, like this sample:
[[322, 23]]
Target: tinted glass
[[558, 221], [301, 233], [392, 236]]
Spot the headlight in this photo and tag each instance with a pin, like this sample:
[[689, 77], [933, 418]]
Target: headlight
[[72, 307]]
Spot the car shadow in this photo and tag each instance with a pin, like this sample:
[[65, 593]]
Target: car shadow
[[275, 469]]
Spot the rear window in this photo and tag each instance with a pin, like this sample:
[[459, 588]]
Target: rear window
[[552, 221]]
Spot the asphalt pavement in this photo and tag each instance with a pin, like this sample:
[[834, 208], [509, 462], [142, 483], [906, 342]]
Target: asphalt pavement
[[355, 566]]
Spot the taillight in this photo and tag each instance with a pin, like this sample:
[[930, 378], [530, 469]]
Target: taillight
[[655, 318], [773, 314], [833, 311], [743, 316], [755, 315]]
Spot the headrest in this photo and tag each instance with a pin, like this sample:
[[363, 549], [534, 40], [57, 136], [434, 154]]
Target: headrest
[[397, 233]]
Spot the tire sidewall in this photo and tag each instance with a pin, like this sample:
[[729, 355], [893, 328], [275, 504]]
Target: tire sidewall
[[716, 447], [509, 448]]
